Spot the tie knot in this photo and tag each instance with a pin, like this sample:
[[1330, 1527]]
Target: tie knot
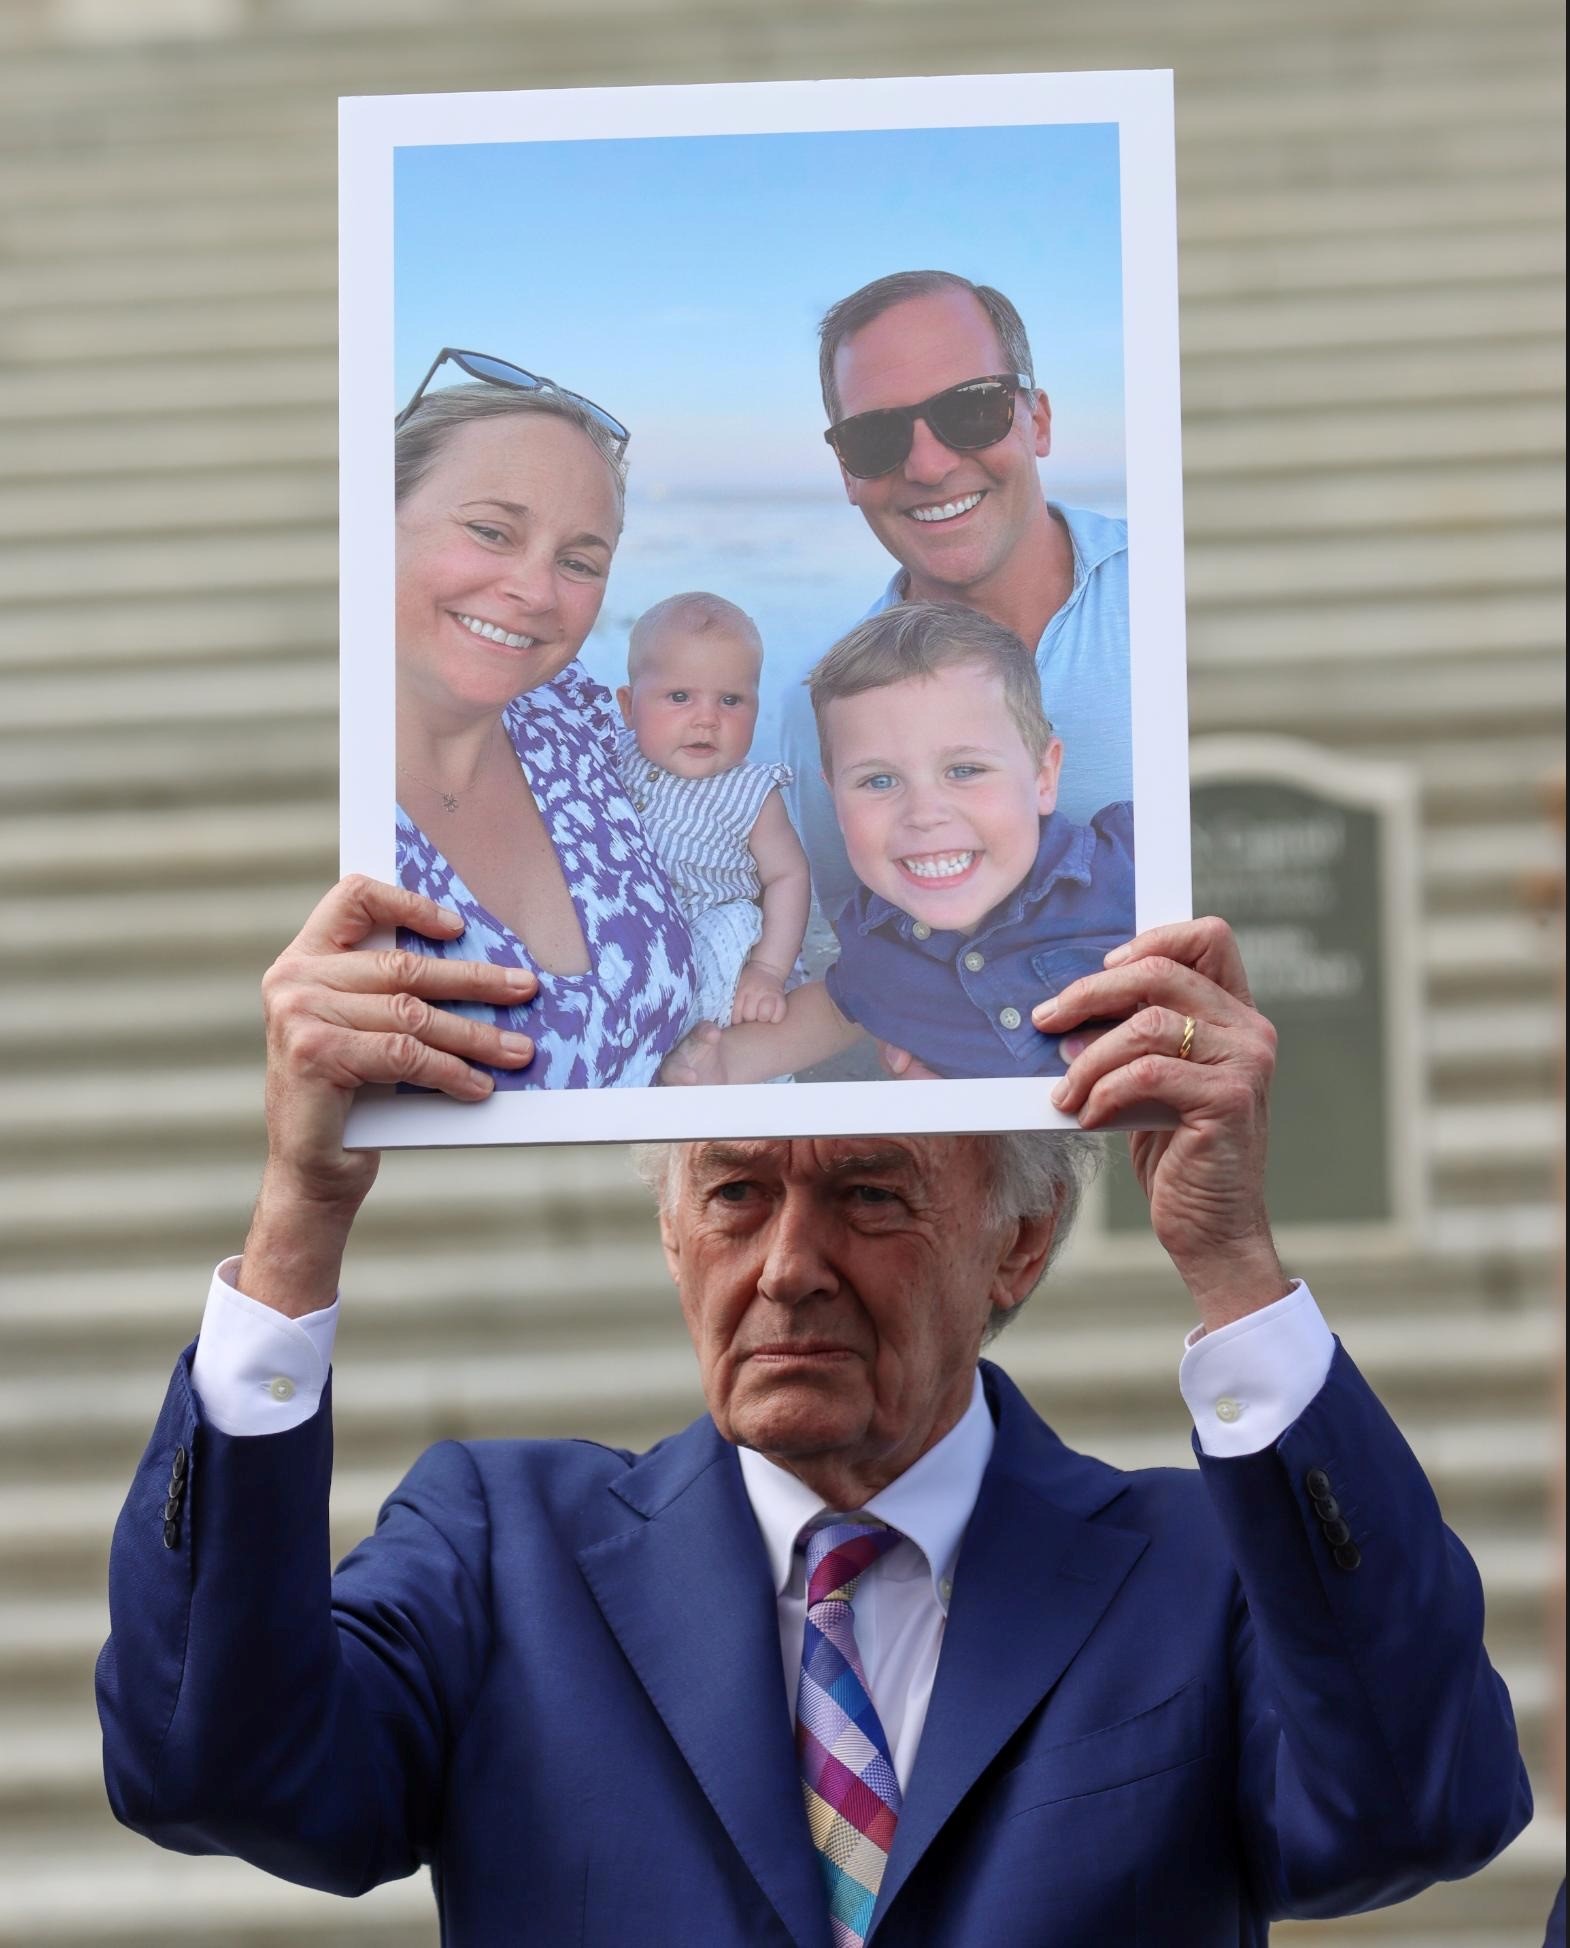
[[840, 1554]]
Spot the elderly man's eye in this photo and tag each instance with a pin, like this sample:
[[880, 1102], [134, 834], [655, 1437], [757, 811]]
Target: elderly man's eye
[[873, 1194], [733, 1193]]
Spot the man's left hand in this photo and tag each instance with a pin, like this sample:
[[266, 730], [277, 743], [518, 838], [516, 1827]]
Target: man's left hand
[[1188, 1038]]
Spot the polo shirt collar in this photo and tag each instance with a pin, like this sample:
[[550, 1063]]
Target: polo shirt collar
[[930, 1503], [1093, 538]]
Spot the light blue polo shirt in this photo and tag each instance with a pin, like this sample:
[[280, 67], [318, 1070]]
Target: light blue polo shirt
[[1083, 660]]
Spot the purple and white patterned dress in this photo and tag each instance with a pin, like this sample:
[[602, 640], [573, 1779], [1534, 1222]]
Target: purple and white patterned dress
[[613, 1026]]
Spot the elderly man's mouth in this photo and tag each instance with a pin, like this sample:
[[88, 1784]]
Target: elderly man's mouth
[[937, 512], [809, 1350]]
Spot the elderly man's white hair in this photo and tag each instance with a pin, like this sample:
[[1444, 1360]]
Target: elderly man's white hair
[[1030, 1173]]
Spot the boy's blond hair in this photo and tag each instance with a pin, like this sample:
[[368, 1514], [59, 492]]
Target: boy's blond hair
[[695, 612], [916, 639]]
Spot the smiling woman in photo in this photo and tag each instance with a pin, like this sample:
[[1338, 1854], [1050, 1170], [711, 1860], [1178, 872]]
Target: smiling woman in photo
[[510, 809]]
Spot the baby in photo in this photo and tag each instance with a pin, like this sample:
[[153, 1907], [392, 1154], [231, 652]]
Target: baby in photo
[[718, 824], [976, 897]]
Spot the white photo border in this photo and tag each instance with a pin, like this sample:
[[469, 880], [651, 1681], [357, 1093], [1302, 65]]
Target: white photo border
[[371, 128]]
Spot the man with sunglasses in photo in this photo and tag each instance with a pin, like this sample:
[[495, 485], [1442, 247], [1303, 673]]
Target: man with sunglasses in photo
[[938, 425]]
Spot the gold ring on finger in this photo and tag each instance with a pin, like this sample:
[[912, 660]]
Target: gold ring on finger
[[1186, 1046]]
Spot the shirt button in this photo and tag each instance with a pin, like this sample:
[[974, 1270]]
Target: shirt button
[[975, 962], [1010, 1017], [945, 1588], [921, 931], [281, 1387], [1229, 1409]]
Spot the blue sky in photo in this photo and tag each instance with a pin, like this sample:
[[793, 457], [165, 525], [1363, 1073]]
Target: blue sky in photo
[[679, 280]]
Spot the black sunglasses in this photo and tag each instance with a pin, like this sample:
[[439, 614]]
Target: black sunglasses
[[965, 417], [497, 372]]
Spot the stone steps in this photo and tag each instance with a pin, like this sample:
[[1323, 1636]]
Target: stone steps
[[1301, 502], [1372, 381], [1273, 239]]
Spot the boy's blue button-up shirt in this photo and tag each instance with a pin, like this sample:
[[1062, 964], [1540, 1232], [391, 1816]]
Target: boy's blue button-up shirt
[[960, 1003]]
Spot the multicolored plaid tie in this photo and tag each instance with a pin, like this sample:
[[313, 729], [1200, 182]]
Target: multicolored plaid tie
[[847, 1773]]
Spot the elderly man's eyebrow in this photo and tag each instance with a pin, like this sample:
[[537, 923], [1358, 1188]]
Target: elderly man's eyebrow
[[728, 1156], [889, 1158]]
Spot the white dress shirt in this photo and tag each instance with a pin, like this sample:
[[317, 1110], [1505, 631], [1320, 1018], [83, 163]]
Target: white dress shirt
[[257, 1372]]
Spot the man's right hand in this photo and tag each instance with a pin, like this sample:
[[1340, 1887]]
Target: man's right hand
[[338, 1018]]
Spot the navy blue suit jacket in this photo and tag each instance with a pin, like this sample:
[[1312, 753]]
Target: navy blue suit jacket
[[1163, 1713]]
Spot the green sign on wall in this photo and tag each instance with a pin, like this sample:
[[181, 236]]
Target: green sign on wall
[[1309, 860]]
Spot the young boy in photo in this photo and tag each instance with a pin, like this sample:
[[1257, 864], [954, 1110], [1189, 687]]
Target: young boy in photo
[[718, 824], [976, 898]]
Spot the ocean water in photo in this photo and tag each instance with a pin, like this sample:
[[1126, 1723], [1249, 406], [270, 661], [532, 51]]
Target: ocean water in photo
[[805, 567]]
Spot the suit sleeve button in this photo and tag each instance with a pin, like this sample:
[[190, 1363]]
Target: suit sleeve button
[[171, 1534], [1337, 1534], [1326, 1507], [1348, 1556], [172, 1509], [1317, 1482], [177, 1465]]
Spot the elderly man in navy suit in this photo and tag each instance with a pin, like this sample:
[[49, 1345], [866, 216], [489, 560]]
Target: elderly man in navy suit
[[865, 1654]]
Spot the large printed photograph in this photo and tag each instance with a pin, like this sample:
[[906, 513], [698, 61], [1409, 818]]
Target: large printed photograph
[[762, 585]]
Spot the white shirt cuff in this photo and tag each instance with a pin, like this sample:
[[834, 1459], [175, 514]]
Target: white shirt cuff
[[257, 1371], [1245, 1383]]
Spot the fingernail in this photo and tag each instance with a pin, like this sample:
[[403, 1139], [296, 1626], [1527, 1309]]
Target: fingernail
[[1116, 957], [1043, 1011], [1060, 1093], [515, 1044], [1072, 1046], [481, 1083], [451, 919], [519, 977]]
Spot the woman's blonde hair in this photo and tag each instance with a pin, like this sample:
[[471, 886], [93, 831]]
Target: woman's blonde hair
[[419, 442]]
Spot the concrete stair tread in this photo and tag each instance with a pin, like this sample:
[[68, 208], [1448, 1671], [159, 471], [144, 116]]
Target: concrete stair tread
[[1373, 401], [653, 1367], [1468, 1464], [113, 847]]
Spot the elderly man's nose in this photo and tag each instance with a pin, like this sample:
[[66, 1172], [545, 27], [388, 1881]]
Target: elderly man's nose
[[794, 1268]]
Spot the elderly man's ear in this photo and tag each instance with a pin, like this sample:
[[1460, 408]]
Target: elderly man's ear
[[1022, 1260]]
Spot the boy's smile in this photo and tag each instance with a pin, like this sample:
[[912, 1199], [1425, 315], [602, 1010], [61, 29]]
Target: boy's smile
[[937, 794]]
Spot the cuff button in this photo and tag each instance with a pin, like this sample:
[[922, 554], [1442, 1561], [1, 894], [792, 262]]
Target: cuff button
[[1337, 1534], [1317, 1482], [171, 1534], [1348, 1556], [177, 1465], [281, 1387]]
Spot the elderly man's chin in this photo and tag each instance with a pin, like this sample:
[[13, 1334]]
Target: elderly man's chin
[[801, 1406]]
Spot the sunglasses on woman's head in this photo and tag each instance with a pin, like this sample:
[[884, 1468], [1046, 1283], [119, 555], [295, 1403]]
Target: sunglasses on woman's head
[[497, 372], [965, 417]]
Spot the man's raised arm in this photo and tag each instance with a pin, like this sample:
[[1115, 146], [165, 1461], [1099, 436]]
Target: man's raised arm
[[240, 1713]]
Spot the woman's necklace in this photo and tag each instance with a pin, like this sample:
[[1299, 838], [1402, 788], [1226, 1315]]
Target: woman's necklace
[[451, 800]]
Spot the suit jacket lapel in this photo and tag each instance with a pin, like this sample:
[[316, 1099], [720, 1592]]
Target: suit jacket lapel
[[689, 1597], [1034, 1577]]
